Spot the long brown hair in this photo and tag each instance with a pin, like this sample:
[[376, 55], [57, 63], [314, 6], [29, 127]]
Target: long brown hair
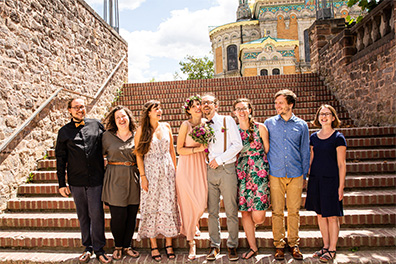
[[147, 130], [110, 122], [251, 119]]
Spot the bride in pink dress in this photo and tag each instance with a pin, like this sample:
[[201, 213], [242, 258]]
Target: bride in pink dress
[[191, 182]]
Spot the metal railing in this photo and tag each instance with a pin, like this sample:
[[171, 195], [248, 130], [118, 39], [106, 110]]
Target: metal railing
[[43, 105]]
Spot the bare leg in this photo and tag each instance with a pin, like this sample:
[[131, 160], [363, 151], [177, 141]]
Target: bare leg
[[153, 242], [334, 229], [169, 248], [324, 230], [249, 222]]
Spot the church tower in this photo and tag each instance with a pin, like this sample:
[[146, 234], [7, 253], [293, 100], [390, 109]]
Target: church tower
[[244, 12]]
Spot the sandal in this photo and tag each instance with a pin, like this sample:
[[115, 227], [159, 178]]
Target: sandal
[[131, 252], [320, 253], [192, 251], [246, 254], [155, 257], [326, 257], [117, 253], [170, 255], [85, 256], [103, 258]]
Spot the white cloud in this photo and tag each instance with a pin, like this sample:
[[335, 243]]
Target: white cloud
[[122, 4], [184, 33]]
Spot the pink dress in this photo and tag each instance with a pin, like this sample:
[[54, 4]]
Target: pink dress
[[191, 187]]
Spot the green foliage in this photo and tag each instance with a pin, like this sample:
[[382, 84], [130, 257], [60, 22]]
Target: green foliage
[[365, 5], [117, 95], [354, 249], [197, 68], [30, 178]]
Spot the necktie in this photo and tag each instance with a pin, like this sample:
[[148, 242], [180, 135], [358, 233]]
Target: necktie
[[80, 124]]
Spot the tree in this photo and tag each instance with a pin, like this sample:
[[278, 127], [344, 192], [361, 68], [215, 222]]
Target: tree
[[365, 5], [197, 68]]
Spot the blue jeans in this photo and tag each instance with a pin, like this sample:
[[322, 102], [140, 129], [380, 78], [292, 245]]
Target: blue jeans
[[90, 214]]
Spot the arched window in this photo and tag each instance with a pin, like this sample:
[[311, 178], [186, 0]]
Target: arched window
[[264, 72], [232, 58], [275, 72]]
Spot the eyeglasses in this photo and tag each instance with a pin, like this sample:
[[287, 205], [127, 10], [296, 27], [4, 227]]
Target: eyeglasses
[[241, 109], [207, 102], [81, 107], [325, 114]]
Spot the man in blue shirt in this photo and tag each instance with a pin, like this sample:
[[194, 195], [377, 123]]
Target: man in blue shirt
[[288, 159]]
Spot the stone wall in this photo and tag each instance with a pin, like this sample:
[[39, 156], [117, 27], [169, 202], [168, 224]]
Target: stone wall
[[359, 64], [46, 45]]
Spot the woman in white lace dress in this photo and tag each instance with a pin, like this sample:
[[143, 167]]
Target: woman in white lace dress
[[156, 160]]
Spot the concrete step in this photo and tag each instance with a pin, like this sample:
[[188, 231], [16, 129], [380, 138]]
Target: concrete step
[[365, 216], [351, 198], [364, 237], [265, 256]]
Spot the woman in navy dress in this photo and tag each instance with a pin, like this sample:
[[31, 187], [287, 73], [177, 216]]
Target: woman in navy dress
[[327, 179]]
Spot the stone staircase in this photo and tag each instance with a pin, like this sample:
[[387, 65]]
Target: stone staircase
[[40, 226]]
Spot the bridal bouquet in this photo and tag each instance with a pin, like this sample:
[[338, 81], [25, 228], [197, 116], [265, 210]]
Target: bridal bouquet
[[203, 134]]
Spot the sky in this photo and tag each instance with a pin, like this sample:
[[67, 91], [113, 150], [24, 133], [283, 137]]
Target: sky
[[161, 33]]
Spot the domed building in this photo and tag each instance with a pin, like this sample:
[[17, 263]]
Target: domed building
[[269, 37]]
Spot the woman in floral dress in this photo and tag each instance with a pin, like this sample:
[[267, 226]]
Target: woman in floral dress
[[156, 160], [252, 171]]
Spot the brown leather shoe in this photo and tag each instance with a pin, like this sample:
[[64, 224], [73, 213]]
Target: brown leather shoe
[[212, 254], [280, 254], [296, 253], [232, 254]]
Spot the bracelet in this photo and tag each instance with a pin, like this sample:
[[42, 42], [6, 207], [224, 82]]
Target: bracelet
[[193, 150], [143, 175]]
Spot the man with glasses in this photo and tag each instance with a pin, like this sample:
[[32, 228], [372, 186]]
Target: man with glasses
[[222, 178], [288, 159], [79, 151]]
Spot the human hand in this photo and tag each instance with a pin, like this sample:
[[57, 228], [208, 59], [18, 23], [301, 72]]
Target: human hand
[[64, 191], [144, 183], [340, 194], [213, 164]]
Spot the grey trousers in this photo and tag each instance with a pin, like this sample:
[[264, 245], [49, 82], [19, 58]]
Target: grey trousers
[[223, 181]]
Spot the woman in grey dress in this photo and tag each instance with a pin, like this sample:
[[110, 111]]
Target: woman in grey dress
[[121, 189]]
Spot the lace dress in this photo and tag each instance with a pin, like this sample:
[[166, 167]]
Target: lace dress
[[158, 206], [252, 171]]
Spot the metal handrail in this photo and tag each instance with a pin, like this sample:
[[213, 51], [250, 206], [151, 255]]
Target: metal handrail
[[27, 121]]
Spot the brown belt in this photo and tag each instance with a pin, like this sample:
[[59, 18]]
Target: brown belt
[[125, 163]]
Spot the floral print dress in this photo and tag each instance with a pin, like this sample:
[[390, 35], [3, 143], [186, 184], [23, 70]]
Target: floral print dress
[[252, 171], [158, 207]]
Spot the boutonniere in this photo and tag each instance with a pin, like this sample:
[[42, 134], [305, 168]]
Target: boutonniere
[[223, 129]]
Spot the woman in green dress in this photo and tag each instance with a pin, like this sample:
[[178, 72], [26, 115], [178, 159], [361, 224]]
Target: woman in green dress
[[252, 171]]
